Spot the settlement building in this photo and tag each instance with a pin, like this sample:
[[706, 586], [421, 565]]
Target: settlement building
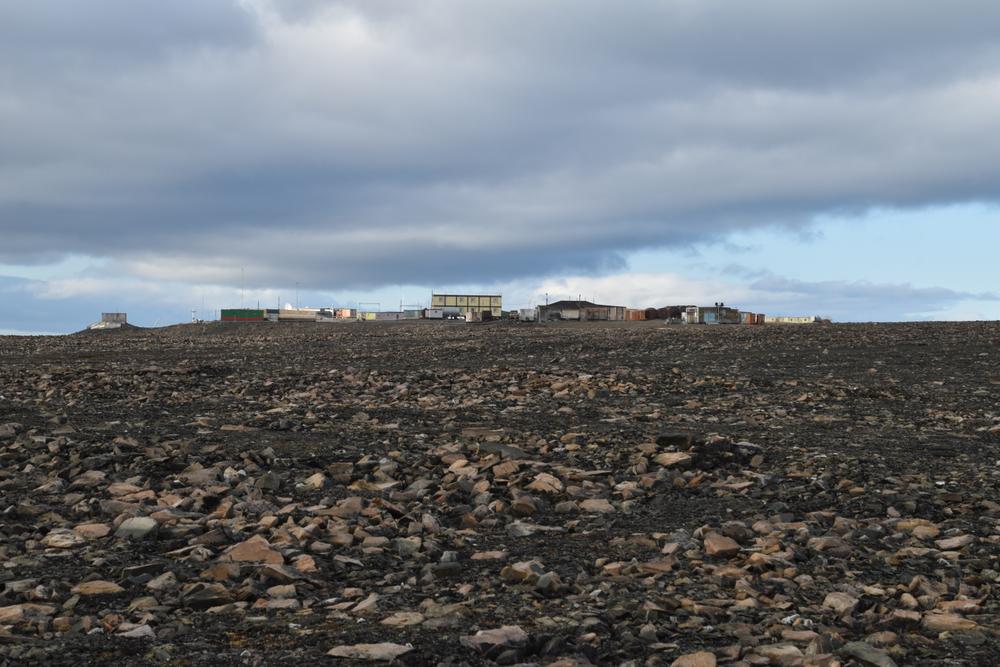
[[581, 311], [717, 314], [110, 321], [778, 319], [278, 315], [469, 306]]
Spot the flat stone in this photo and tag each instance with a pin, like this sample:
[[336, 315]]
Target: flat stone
[[305, 564], [953, 543], [92, 588], [720, 546], [165, 581], [381, 652], [316, 482], [92, 531], [947, 623], [528, 570], [403, 618], [254, 550], [673, 460], [62, 538], [866, 654], [507, 635], [201, 595], [960, 606], [139, 632], [782, 655], [597, 506], [699, 659], [546, 483], [366, 606], [548, 583], [137, 528], [17, 613], [840, 602]]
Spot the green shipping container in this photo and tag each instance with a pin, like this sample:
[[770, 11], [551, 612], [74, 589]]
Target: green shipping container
[[241, 314]]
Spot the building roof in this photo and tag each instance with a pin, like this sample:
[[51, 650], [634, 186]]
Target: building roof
[[567, 303], [493, 296]]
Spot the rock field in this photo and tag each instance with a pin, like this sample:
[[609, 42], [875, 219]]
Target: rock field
[[436, 493]]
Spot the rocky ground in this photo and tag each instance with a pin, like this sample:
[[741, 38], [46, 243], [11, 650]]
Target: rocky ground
[[435, 493]]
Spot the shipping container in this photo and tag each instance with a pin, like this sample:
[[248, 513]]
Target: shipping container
[[242, 315], [433, 313], [527, 314], [635, 315]]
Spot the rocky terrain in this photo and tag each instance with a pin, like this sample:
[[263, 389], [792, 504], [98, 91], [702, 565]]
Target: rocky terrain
[[431, 493]]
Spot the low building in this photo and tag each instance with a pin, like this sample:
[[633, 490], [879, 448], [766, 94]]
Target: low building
[[469, 306], [298, 314], [110, 321], [781, 319], [580, 311], [717, 314]]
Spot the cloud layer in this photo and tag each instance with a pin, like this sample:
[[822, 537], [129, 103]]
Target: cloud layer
[[367, 143]]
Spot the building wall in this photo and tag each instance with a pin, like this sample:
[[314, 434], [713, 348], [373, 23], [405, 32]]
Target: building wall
[[465, 303], [712, 315], [778, 319]]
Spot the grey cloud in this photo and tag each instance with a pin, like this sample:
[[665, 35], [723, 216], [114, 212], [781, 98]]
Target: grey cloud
[[367, 143], [119, 33]]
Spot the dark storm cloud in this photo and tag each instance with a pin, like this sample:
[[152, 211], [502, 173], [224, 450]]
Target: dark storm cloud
[[367, 143]]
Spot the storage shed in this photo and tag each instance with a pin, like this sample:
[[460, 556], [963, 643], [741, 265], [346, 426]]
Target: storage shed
[[581, 311]]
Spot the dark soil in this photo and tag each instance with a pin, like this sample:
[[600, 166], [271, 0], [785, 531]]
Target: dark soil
[[862, 429]]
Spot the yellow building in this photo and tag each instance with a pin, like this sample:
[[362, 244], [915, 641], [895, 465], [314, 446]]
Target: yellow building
[[465, 304]]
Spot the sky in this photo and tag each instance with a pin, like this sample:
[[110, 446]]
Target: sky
[[168, 159]]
